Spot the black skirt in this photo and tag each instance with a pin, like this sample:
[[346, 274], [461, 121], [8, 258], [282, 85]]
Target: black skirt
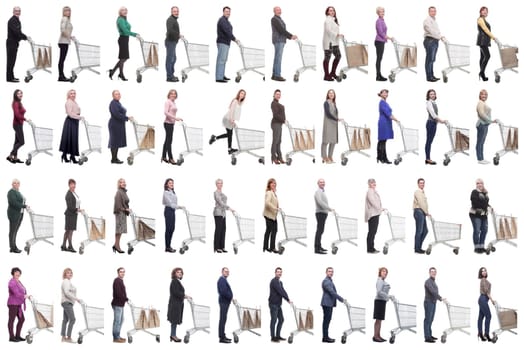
[[70, 222], [379, 311], [69, 140], [123, 47]]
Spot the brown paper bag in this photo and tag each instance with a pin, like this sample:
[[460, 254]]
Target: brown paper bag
[[258, 320], [465, 141], [246, 320], [42, 322], [508, 56], [302, 141], [154, 320], [367, 138], [501, 233], [458, 141], [514, 229], [509, 141], [404, 60], [507, 228], [356, 55], [360, 143], [354, 141], [412, 62], [508, 319], [300, 322], [46, 59], [310, 139], [309, 319], [515, 139], [148, 142], [141, 322], [364, 55], [39, 63], [295, 142], [144, 231]]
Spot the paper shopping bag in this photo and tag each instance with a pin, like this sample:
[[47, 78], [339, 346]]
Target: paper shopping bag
[[245, 320], [508, 57], [310, 139], [501, 232], [508, 319], [404, 60], [353, 145], [300, 322], [412, 60], [42, 322], [258, 320], [148, 142], [309, 319], [515, 145], [154, 320], [513, 227], [302, 141], [507, 228], [141, 322]]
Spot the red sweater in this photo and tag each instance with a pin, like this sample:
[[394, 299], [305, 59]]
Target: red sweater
[[19, 112]]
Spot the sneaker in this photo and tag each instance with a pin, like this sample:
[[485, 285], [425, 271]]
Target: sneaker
[[483, 161]]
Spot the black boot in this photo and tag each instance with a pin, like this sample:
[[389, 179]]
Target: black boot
[[333, 73], [114, 159], [327, 76]]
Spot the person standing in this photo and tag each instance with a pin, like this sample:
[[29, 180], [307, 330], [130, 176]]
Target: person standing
[[172, 36], [420, 212], [271, 208], [483, 122], [373, 209], [276, 293], [484, 38], [170, 202], [330, 44], [175, 308], [279, 35], [382, 297], [224, 38], [18, 125], [124, 30], [321, 212], [119, 301], [484, 312], [117, 127], [385, 126], [330, 127], [380, 41], [16, 305], [328, 302], [219, 213], [170, 111], [14, 35], [15, 213], [431, 38], [69, 140], [68, 301], [431, 124], [71, 216], [430, 304], [479, 215], [225, 296], [279, 118], [66, 29], [121, 211]]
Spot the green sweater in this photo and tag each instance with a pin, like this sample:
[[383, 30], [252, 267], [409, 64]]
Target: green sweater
[[16, 204], [123, 26]]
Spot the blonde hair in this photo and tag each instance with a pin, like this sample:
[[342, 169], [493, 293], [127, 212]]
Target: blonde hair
[[69, 92], [118, 183], [122, 9], [379, 8], [66, 271], [64, 9]]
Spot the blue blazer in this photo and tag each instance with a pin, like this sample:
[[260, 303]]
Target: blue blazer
[[329, 293], [225, 294]]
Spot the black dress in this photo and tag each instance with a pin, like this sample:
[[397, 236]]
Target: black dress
[[69, 140], [175, 309]]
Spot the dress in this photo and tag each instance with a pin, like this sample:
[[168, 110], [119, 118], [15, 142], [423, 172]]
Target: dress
[[385, 123], [71, 212], [117, 125], [121, 203], [69, 140]]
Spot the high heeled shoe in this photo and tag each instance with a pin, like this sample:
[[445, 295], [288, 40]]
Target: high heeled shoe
[[63, 248], [481, 337], [115, 249], [483, 77], [164, 160], [175, 339], [111, 72], [73, 160], [275, 161], [122, 77], [70, 249], [487, 337], [64, 158]]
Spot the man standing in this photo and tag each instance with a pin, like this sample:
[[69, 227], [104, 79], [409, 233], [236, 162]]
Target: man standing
[[430, 303], [431, 38], [276, 293], [225, 296], [224, 38], [118, 303], [420, 211], [14, 35], [172, 36], [279, 118], [328, 302], [321, 213], [15, 213], [279, 35]]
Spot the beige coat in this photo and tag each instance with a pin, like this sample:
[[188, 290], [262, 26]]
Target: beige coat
[[271, 205]]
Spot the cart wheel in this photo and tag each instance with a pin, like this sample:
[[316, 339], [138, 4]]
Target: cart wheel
[[494, 338], [130, 250], [129, 339], [184, 77], [445, 79], [493, 249], [385, 250], [497, 78], [344, 161], [443, 338], [81, 250], [186, 339], [456, 250], [28, 78], [73, 77], [313, 160], [334, 250], [181, 251], [288, 161], [80, 339], [130, 160], [295, 78], [233, 161], [27, 248], [80, 161], [392, 339], [339, 79], [238, 78], [343, 339], [397, 161], [261, 160], [139, 78], [428, 251], [343, 75], [496, 160], [290, 339], [281, 250], [235, 250], [180, 161], [29, 339], [28, 161], [157, 338], [235, 338], [446, 161], [392, 80]]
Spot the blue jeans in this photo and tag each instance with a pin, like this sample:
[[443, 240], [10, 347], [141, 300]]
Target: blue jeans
[[328, 312], [421, 228], [277, 60], [276, 315], [170, 58], [118, 312], [431, 46], [224, 307], [482, 132], [429, 315], [170, 218], [173, 329], [484, 314], [431, 130], [223, 51], [480, 230]]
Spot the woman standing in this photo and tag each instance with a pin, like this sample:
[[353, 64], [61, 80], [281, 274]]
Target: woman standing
[[68, 300], [17, 297], [18, 125], [330, 127], [484, 38], [479, 215], [71, 216], [175, 308], [66, 29], [484, 115], [124, 29], [431, 124], [385, 126], [279, 118], [330, 43], [373, 209], [230, 119], [69, 140], [382, 297], [484, 312], [380, 40], [170, 111], [270, 215], [121, 211], [170, 202], [117, 127], [219, 213], [15, 213]]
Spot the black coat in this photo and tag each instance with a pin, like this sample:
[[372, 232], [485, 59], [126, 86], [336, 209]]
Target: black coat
[[117, 125], [175, 308], [483, 39]]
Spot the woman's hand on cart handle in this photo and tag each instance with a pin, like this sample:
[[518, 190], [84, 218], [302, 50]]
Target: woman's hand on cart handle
[[294, 37], [392, 298], [131, 118], [341, 120], [188, 297], [497, 41], [443, 38], [179, 119], [232, 210]]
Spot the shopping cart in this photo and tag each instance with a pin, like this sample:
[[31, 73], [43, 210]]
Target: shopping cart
[[42, 58], [94, 141], [406, 319], [145, 140], [95, 229], [406, 59], [144, 318], [508, 59], [347, 232], [248, 319], [252, 59], [505, 230], [144, 229], [201, 322], [197, 230], [42, 226], [358, 140], [410, 142], [302, 140], [197, 58], [459, 320], [459, 139], [295, 229], [43, 319], [94, 319], [194, 143], [88, 58], [150, 55], [397, 225], [444, 232], [507, 321], [357, 321], [43, 138], [248, 140], [356, 57], [458, 58], [510, 141], [308, 55], [304, 321], [246, 231]]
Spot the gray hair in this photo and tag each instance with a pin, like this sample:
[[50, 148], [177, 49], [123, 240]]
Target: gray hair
[[370, 181], [218, 180], [379, 8]]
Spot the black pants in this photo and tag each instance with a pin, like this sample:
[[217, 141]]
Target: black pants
[[229, 135], [381, 150], [484, 58], [19, 139], [166, 151], [219, 241], [372, 231], [14, 226], [271, 233], [224, 307], [63, 53], [379, 45], [11, 50], [321, 222], [170, 218]]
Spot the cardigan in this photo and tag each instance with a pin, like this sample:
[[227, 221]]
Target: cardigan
[[431, 291], [72, 109], [68, 292], [271, 205], [121, 201], [479, 204], [383, 288], [172, 29], [483, 113], [17, 293], [16, 204], [220, 204], [66, 29], [279, 112], [382, 30], [321, 202], [18, 113], [373, 205], [170, 110], [330, 37]]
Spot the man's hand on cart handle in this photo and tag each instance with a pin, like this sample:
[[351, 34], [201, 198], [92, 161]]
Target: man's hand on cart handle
[[294, 37]]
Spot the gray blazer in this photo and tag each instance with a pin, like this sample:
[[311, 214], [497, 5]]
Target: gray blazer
[[220, 204], [329, 293]]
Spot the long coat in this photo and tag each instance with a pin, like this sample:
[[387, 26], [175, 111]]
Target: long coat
[[70, 213], [175, 308], [117, 125], [15, 205], [385, 123], [330, 127]]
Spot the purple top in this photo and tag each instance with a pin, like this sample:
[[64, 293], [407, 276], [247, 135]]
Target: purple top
[[17, 293], [382, 30]]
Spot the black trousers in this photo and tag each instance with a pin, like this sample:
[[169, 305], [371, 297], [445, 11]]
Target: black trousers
[[63, 53], [372, 231], [11, 51], [379, 45], [484, 58], [271, 233], [321, 222], [14, 226], [170, 219], [19, 139], [219, 241], [224, 307], [166, 151], [229, 135]]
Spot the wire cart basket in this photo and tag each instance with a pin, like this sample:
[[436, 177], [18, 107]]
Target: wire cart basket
[[197, 58], [42, 58], [95, 229], [248, 319], [144, 318], [144, 229], [397, 225], [308, 55], [459, 320], [356, 57], [248, 140], [246, 231], [302, 140], [358, 140], [94, 141], [94, 320], [197, 230], [410, 142], [508, 59], [458, 58], [507, 321], [252, 60], [295, 229], [406, 59], [200, 314], [145, 140], [357, 321], [304, 321], [88, 58], [150, 55], [43, 319], [194, 143], [42, 226], [444, 232], [510, 141], [505, 230], [43, 138], [347, 232], [459, 138], [406, 319]]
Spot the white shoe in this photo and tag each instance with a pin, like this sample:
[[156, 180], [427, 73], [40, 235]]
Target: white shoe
[[483, 162]]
